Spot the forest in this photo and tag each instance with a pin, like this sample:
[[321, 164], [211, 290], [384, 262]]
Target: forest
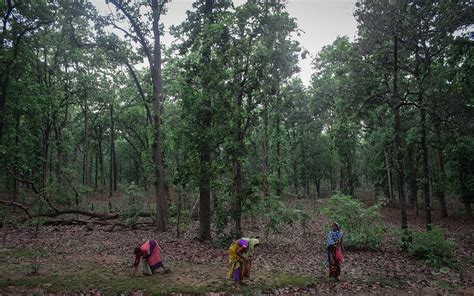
[[110, 138]]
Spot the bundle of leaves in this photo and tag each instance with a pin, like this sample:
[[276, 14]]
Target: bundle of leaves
[[362, 226], [432, 247]]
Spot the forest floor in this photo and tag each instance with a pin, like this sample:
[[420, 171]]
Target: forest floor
[[78, 261]]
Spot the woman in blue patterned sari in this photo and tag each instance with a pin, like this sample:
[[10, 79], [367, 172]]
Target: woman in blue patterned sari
[[333, 251]]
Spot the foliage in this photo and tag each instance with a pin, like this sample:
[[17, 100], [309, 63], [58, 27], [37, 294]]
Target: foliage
[[362, 226], [132, 204], [276, 214], [431, 246]]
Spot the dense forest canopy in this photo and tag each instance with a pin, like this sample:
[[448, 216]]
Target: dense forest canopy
[[219, 125]]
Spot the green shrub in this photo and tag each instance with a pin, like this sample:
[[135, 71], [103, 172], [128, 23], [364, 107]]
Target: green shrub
[[362, 226], [431, 247], [276, 214], [133, 201]]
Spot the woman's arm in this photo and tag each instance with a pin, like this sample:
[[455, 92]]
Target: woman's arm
[[240, 251], [136, 262]]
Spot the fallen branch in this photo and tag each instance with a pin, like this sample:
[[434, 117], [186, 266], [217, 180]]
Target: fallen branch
[[100, 216], [82, 222], [33, 187], [18, 205]]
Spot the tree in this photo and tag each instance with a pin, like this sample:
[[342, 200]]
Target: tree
[[139, 33]]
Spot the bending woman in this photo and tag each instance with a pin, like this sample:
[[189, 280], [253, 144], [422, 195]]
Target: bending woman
[[248, 256], [151, 257], [333, 253], [240, 255]]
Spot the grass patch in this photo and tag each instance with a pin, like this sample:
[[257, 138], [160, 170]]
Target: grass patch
[[384, 282], [24, 253], [451, 287], [69, 276]]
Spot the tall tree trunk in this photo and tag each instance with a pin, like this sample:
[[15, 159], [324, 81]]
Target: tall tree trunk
[[3, 99], [161, 202], [238, 197], [205, 145], [398, 139], [112, 167], [440, 191], [265, 151], [278, 149], [17, 142], [237, 167], [96, 175], [87, 164], [426, 174], [46, 160], [100, 144]]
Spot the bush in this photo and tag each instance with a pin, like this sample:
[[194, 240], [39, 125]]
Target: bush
[[276, 214], [362, 226], [133, 201], [431, 247]]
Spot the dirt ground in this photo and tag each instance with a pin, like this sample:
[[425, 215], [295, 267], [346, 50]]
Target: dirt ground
[[74, 260]]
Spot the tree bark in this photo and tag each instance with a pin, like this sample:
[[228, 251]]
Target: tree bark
[[157, 80], [398, 139], [87, 164], [265, 151], [388, 168], [440, 188], [278, 148], [205, 145], [112, 164], [426, 174], [412, 180]]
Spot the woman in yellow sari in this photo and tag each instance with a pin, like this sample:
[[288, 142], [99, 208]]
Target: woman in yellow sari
[[240, 255]]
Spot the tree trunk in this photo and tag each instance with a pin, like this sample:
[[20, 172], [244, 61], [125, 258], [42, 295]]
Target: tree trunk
[[412, 180], [17, 142], [318, 186], [265, 151], [398, 139], [388, 168], [100, 144], [465, 170], [278, 151], [46, 160], [426, 175], [238, 197], [161, 202], [87, 164], [96, 167], [440, 191], [112, 167], [205, 149]]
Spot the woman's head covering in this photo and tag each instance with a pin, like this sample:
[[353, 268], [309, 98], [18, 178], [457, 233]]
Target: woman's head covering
[[338, 226], [253, 242]]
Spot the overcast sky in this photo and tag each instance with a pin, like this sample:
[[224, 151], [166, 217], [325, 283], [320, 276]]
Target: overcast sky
[[320, 20]]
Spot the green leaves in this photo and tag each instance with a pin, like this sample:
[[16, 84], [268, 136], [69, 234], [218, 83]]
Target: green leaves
[[432, 247], [362, 226]]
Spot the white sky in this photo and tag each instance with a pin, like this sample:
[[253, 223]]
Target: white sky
[[320, 20]]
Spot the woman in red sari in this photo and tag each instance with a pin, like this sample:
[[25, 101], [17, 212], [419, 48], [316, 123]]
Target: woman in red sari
[[150, 253]]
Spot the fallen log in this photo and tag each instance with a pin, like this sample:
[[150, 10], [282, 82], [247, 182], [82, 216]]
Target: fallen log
[[99, 216], [82, 222]]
